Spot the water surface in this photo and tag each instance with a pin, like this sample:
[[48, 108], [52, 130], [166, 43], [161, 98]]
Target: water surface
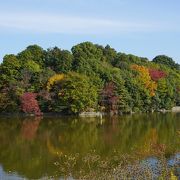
[[71, 147]]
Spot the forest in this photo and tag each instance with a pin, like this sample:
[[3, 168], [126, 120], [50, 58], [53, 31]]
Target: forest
[[88, 78]]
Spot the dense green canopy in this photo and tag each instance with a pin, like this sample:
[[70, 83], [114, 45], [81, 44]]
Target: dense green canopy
[[94, 78]]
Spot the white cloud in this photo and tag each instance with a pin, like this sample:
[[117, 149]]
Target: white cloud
[[55, 23]]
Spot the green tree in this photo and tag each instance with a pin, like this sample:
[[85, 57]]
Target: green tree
[[85, 55], [75, 93], [32, 53], [109, 54], [165, 92], [163, 59], [9, 70], [94, 67], [59, 60]]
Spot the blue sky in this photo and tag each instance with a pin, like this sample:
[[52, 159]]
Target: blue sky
[[142, 27]]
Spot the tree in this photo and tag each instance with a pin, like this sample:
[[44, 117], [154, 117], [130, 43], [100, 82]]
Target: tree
[[157, 74], [8, 100], [9, 78], [109, 54], [9, 70], [124, 100], [145, 78], [115, 97], [78, 93], [75, 93], [40, 79], [32, 53], [177, 98], [75, 81], [55, 79], [165, 92], [109, 98], [163, 59], [32, 66], [85, 56], [59, 60], [29, 104], [121, 61]]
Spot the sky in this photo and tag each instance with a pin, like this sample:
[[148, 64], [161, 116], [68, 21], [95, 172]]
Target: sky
[[146, 28]]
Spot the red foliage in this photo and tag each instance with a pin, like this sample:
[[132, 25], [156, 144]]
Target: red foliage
[[109, 97], [29, 103], [156, 74]]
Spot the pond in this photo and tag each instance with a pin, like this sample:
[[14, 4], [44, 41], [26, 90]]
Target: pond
[[134, 146]]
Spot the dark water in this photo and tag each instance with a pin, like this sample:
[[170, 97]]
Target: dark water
[[53, 148]]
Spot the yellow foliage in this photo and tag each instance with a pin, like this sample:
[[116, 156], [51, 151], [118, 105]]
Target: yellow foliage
[[52, 80], [173, 177], [145, 78]]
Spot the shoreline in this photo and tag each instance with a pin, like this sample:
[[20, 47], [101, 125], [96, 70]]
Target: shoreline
[[175, 109]]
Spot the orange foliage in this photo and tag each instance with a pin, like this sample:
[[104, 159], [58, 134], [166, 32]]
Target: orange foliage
[[145, 78]]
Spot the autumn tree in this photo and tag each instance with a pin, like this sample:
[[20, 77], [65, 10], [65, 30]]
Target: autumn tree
[[145, 79], [156, 74], [72, 82], [110, 98], [29, 104], [55, 79]]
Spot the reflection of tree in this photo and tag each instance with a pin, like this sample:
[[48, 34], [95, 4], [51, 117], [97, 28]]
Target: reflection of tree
[[151, 146], [111, 130], [75, 138], [30, 127], [29, 159], [52, 149]]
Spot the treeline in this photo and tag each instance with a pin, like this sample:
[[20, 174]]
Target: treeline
[[89, 78]]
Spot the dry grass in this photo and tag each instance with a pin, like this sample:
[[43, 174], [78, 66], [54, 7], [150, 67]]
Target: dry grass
[[93, 166]]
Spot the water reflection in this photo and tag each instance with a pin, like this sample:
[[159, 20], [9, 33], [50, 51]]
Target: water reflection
[[62, 147], [30, 127]]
